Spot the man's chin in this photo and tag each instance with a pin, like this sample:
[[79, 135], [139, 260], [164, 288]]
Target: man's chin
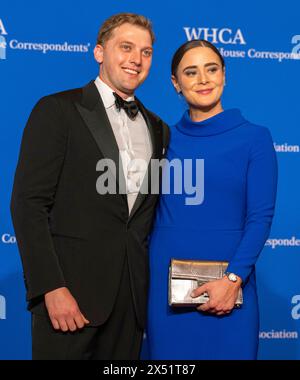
[[129, 90], [132, 85]]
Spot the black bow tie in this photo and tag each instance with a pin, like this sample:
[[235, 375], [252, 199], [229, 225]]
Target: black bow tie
[[131, 108]]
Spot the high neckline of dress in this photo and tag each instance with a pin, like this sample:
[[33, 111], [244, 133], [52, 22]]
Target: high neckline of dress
[[220, 123]]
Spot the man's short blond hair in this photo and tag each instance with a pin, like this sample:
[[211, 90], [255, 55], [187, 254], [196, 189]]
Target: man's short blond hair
[[119, 19]]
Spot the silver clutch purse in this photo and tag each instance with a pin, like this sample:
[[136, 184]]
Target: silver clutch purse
[[187, 275]]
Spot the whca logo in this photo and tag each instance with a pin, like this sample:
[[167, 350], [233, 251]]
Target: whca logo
[[2, 40], [215, 35]]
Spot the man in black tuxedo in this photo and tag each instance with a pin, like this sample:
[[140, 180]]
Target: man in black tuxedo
[[83, 248]]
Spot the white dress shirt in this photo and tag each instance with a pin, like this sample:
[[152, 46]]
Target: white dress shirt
[[133, 140]]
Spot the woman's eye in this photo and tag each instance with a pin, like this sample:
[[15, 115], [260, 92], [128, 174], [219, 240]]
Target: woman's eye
[[190, 73], [125, 47], [213, 69]]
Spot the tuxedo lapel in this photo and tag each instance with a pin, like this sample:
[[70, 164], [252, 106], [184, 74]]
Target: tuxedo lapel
[[94, 115], [92, 111], [155, 131], [154, 128]]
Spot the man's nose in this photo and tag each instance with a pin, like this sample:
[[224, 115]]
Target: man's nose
[[136, 57]]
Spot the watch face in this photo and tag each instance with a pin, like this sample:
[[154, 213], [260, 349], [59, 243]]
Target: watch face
[[232, 277]]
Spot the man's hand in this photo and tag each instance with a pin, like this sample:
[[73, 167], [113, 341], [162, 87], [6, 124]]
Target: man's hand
[[64, 311], [222, 295]]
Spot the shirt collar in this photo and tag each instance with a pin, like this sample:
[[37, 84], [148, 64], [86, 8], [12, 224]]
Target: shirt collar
[[106, 93]]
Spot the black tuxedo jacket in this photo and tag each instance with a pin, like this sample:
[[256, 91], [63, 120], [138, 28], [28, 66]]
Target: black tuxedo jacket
[[67, 233]]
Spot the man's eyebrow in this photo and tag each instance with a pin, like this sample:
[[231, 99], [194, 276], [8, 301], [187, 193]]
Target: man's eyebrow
[[126, 42], [131, 43]]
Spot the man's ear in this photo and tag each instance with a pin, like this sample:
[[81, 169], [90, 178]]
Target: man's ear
[[98, 53], [175, 84]]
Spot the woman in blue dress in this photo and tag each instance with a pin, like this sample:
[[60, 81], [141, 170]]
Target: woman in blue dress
[[229, 219]]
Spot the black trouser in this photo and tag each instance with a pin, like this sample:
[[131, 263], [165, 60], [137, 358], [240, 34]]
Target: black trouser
[[119, 337]]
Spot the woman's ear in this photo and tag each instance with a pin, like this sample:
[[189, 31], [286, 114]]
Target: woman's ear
[[175, 84]]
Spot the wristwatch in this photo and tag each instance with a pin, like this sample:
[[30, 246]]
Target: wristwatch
[[231, 276]]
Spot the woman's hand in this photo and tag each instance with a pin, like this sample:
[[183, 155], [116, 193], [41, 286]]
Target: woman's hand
[[222, 295]]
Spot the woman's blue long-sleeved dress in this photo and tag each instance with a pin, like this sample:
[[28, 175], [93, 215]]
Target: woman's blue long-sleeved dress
[[230, 220]]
